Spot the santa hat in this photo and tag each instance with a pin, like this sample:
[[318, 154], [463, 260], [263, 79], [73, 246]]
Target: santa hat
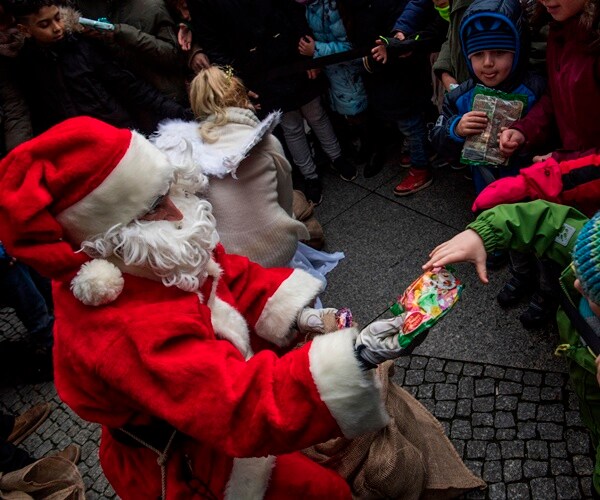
[[74, 181]]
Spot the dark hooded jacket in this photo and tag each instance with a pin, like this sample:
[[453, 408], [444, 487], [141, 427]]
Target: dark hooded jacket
[[521, 81]]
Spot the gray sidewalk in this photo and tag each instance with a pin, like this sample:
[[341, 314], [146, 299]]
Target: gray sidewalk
[[499, 392]]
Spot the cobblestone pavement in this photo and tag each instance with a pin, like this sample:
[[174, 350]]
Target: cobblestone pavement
[[519, 429]]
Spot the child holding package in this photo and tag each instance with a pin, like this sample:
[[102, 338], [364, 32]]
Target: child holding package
[[559, 233], [496, 54]]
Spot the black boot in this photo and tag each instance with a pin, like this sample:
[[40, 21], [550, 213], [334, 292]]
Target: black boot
[[515, 289], [345, 169], [541, 310], [313, 191]]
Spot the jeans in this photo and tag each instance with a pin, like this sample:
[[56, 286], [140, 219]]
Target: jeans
[[28, 294], [483, 176], [292, 124], [414, 129]]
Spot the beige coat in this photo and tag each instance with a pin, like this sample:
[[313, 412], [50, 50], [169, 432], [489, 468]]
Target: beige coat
[[250, 184]]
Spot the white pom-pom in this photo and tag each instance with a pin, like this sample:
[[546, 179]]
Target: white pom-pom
[[97, 282]]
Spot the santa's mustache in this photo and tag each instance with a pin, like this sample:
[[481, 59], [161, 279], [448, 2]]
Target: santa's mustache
[[177, 252]]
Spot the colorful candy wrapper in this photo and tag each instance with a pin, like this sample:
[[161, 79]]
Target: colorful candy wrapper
[[343, 318], [426, 301]]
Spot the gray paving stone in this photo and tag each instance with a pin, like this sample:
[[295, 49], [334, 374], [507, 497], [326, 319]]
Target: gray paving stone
[[567, 488], [494, 371], [586, 486], [526, 430], [532, 378], [435, 364], [451, 378], [461, 429], [403, 362], [445, 409], [577, 441], [418, 362], [513, 375], [543, 489], [518, 491], [435, 376], [505, 387], [513, 470], [506, 403], [583, 465], [460, 446], [531, 394], [551, 413], [506, 434], [482, 419], [425, 391], [558, 450], [535, 468], [492, 452], [485, 386], [512, 449], [485, 433], [466, 387], [526, 411], [483, 404], [414, 377], [445, 392], [492, 471], [497, 491], [472, 370], [537, 450], [429, 404], [551, 393], [503, 419], [550, 432], [554, 379], [560, 466], [453, 367], [476, 449], [573, 419], [463, 408], [475, 466]]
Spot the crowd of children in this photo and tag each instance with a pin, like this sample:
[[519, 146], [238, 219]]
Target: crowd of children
[[500, 113]]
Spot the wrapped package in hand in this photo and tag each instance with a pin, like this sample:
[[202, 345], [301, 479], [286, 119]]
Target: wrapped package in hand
[[425, 302]]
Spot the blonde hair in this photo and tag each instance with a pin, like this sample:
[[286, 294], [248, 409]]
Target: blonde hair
[[212, 91]]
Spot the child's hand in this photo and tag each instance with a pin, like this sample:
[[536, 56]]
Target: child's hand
[[464, 247], [540, 158], [379, 52], [510, 140], [184, 37], [306, 46], [199, 61], [401, 36], [472, 123], [313, 73]]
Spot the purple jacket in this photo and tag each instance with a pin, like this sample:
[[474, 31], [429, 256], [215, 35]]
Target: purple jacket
[[572, 100]]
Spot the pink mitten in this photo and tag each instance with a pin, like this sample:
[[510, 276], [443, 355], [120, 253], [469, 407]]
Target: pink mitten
[[506, 190]]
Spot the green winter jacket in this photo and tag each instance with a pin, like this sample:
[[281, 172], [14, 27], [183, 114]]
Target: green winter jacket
[[550, 230]]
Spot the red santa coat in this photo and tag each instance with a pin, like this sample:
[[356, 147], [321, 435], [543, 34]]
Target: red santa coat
[[188, 359]]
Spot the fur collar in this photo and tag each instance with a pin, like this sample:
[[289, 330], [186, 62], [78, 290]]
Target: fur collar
[[173, 136]]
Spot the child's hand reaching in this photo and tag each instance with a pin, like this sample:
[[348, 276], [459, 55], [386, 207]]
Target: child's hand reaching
[[306, 46], [510, 141], [464, 247], [472, 123], [379, 52]]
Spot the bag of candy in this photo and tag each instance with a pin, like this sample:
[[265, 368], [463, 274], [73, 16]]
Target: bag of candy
[[425, 302]]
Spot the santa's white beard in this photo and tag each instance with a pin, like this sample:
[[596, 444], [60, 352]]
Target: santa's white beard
[[177, 252]]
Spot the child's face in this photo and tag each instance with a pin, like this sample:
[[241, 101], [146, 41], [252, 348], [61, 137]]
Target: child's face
[[492, 67], [593, 306], [45, 26], [561, 10]]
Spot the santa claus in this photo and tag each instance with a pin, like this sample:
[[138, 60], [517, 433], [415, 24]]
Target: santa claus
[[181, 351]]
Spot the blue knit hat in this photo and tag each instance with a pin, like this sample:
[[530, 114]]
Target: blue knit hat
[[488, 31], [586, 258]]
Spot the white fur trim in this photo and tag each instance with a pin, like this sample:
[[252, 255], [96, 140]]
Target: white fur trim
[[229, 324], [283, 306], [127, 192], [173, 136], [97, 282], [249, 478], [351, 394]]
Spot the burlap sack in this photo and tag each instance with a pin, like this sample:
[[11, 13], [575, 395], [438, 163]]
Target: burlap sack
[[411, 458], [50, 478], [304, 212]]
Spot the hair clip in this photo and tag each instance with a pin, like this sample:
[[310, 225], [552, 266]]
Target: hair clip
[[228, 70]]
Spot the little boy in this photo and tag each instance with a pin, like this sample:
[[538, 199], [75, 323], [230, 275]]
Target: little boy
[[496, 58], [63, 75], [559, 233]]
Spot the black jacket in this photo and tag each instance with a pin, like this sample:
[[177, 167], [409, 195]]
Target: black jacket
[[255, 37], [76, 77]]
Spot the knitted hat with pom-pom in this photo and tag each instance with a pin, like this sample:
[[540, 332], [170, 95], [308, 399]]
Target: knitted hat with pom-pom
[[75, 181], [586, 258]]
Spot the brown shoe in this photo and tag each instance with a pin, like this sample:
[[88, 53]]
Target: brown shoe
[[72, 453], [28, 422]]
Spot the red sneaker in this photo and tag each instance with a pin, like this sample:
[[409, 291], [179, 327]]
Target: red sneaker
[[405, 160], [416, 180]]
